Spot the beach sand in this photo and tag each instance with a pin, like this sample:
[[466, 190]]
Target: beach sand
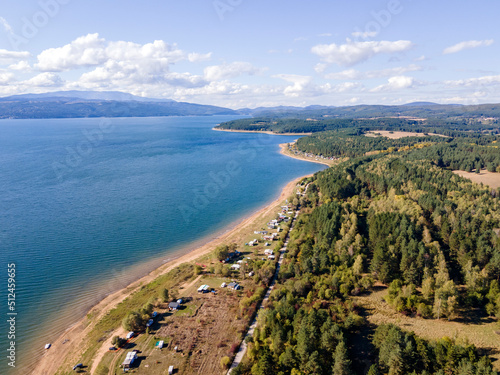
[[68, 345], [284, 151], [257, 131]]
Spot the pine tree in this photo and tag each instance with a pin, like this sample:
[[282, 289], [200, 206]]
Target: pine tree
[[342, 364]]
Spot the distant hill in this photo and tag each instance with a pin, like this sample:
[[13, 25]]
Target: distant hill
[[416, 109], [78, 104], [86, 95]]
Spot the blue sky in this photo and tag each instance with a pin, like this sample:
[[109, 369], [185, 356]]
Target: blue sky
[[249, 53]]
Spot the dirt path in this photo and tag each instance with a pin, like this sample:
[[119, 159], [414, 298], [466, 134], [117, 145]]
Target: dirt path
[[243, 346], [68, 346], [189, 285], [105, 348]]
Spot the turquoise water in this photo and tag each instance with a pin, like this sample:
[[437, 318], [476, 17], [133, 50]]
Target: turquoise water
[[89, 205]]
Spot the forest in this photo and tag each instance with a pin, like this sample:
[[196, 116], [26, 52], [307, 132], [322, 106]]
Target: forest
[[446, 112], [399, 219], [463, 151], [449, 127]]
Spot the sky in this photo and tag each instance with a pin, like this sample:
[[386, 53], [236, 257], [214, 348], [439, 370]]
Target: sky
[[252, 53]]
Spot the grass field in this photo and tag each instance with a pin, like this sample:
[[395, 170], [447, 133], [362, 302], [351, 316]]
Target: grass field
[[481, 331], [490, 179], [396, 134]]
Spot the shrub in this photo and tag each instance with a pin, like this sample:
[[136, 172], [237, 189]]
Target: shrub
[[234, 348], [133, 321], [197, 269], [225, 361], [118, 341]]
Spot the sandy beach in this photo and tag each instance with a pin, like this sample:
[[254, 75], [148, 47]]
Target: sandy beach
[[70, 343], [284, 151], [257, 131]]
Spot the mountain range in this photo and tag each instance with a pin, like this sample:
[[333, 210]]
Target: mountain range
[[78, 104], [68, 104]]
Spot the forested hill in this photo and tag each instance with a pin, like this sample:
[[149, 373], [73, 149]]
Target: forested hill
[[74, 107], [428, 118], [465, 151], [400, 219], [418, 110]]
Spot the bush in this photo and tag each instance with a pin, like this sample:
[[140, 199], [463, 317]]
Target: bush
[[133, 321], [221, 252], [197, 269], [425, 311], [164, 295], [234, 348], [147, 309], [118, 341], [225, 362]]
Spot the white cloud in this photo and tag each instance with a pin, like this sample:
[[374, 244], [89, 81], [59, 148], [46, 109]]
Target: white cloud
[[198, 57], [44, 80], [475, 82], [85, 51], [396, 83], [356, 74], [91, 50], [232, 70], [353, 53], [299, 83], [121, 65], [320, 67], [346, 86], [325, 35], [126, 75], [11, 56], [288, 51], [22, 66], [467, 45], [303, 86], [364, 34], [6, 78], [6, 26]]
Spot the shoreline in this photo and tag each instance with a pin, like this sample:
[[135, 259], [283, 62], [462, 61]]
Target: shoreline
[[257, 131], [52, 360], [284, 151]]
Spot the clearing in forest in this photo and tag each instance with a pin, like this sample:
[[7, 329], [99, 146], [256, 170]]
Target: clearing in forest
[[490, 179]]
